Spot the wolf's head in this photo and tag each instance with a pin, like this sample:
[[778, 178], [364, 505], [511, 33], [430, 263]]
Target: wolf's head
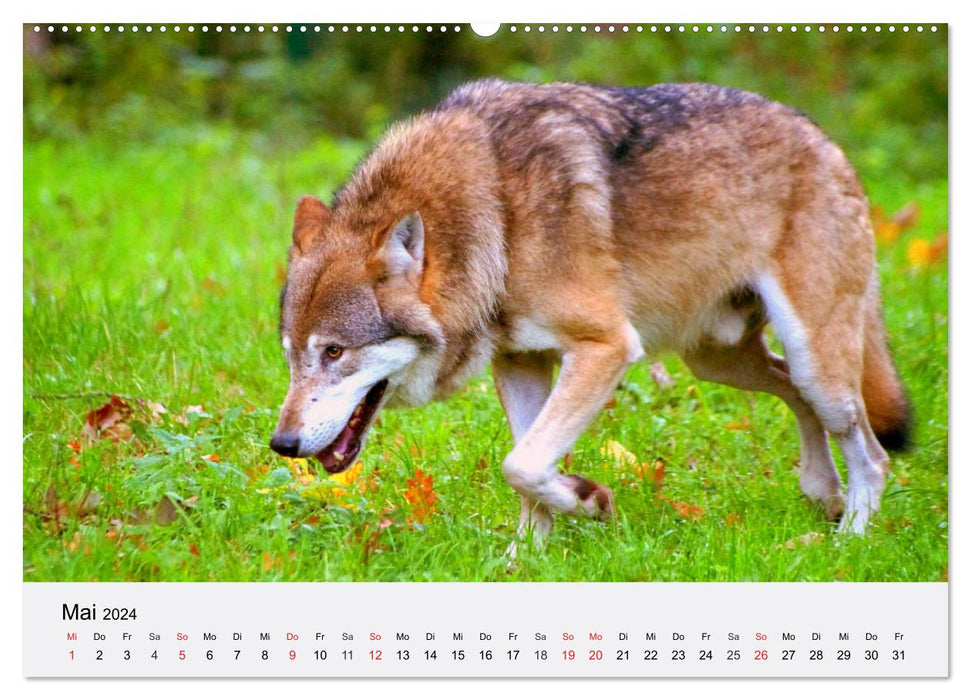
[[354, 329]]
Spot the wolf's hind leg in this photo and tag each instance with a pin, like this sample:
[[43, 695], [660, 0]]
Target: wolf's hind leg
[[590, 371], [752, 367], [523, 382], [822, 332]]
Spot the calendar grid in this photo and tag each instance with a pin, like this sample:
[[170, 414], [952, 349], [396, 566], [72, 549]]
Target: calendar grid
[[475, 630]]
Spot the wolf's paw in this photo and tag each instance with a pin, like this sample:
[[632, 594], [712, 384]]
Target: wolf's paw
[[854, 522], [593, 499], [833, 506]]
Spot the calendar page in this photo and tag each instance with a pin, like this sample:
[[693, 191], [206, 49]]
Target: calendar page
[[540, 350]]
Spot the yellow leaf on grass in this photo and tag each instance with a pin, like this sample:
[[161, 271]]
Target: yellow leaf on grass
[[334, 488], [346, 478], [621, 456]]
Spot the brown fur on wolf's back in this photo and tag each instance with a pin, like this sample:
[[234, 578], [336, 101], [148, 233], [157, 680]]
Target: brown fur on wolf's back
[[652, 203]]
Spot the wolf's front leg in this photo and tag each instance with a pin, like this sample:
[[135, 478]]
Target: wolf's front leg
[[523, 382], [591, 370]]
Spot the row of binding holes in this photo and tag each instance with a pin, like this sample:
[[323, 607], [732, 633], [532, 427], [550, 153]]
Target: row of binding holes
[[316, 28], [709, 28], [400, 28]]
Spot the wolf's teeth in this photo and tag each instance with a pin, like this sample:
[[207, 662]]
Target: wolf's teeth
[[355, 422], [339, 456]]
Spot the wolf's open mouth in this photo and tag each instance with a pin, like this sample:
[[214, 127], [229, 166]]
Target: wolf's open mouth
[[341, 453]]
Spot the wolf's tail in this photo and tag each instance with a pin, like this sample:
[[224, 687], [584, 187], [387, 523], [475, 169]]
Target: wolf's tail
[[886, 401]]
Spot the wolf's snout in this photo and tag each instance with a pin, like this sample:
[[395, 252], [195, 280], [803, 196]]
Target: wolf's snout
[[285, 444]]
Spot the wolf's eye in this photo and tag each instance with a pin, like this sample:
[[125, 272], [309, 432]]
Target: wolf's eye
[[333, 351]]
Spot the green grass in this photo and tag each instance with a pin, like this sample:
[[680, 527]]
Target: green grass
[[152, 271]]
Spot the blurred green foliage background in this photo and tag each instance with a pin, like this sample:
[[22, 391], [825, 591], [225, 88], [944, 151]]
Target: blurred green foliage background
[[882, 96]]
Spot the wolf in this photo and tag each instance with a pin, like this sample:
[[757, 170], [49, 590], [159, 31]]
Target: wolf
[[530, 226]]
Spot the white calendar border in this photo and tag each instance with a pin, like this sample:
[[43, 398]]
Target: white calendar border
[[440, 10]]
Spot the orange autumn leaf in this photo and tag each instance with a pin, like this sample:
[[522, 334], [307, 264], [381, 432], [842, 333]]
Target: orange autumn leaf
[[256, 473], [657, 472], [888, 230], [420, 493], [923, 253], [743, 424], [652, 472], [686, 510]]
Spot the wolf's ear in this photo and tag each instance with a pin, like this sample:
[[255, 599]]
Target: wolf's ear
[[403, 246], [309, 221]]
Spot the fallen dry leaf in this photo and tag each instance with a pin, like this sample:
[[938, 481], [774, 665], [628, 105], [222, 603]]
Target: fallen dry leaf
[[686, 510], [622, 457], [657, 471], [743, 424], [256, 473], [108, 422], [420, 493], [270, 561], [923, 253], [165, 512], [60, 510], [907, 215], [889, 230], [156, 408], [348, 477]]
